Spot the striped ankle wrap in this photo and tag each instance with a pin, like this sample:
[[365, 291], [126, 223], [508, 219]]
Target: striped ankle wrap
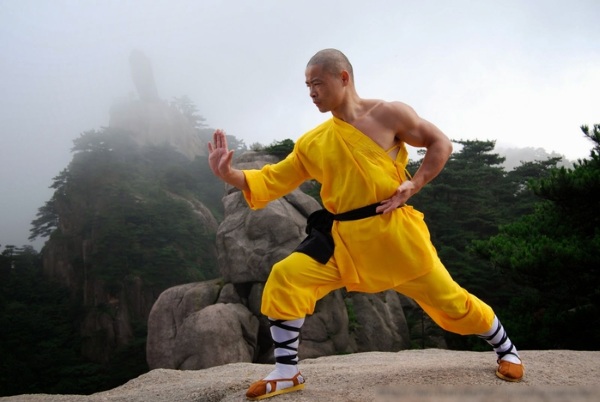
[[286, 351]]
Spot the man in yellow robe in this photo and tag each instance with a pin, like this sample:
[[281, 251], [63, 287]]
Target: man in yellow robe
[[359, 157]]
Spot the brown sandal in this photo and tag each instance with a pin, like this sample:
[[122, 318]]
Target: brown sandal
[[508, 371], [267, 388]]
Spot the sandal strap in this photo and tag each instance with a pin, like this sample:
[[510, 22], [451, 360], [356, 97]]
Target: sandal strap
[[267, 388], [296, 380], [507, 352]]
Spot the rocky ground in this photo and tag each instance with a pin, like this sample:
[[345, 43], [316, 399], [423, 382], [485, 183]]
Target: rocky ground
[[431, 375]]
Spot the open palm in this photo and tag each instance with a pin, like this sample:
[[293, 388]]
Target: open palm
[[219, 155]]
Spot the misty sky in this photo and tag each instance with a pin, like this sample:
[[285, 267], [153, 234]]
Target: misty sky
[[524, 73]]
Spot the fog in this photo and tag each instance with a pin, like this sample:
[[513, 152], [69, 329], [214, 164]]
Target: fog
[[524, 73]]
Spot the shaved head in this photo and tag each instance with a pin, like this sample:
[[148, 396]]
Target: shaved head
[[333, 61]]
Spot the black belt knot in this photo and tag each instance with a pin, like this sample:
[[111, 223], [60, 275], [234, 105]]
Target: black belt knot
[[319, 242]]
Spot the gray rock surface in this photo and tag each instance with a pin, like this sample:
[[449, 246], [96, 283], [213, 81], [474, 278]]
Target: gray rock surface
[[168, 316], [430, 375], [326, 332], [380, 322], [250, 242], [216, 335]]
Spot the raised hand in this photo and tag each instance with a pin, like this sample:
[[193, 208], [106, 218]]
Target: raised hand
[[219, 160], [219, 155]]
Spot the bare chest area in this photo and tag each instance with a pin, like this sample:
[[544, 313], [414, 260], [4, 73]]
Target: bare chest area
[[380, 134]]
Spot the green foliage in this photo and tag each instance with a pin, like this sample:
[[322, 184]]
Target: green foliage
[[129, 361], [280, 149], [131, 203], [576, 192], [46, 221], [188, 109], [156, 238], [122, 212], [37, 334], [468, 201], [521, 179], [552, 254], [353, 324]]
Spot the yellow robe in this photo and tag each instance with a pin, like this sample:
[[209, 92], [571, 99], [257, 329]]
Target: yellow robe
[[372, 254]]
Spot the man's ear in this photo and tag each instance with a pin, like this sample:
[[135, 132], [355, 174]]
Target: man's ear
[[345, 77]]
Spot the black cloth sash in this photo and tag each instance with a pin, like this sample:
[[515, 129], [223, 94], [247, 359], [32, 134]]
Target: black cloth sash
[[319, 242]]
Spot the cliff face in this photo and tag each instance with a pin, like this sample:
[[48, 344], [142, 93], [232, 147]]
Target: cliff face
[[102, 255], [131, 215]]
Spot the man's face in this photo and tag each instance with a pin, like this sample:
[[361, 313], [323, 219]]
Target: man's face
[[325, 89]]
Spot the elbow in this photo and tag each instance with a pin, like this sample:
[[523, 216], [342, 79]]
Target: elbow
[[443, 146], [449, 147]]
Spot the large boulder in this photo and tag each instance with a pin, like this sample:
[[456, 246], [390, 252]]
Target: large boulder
[[168, 315], [250, 242], [216, 335], [205, 217], [206, 324], [189, 330], [200, 319], [424, 332], [378, 322], [326, 331]]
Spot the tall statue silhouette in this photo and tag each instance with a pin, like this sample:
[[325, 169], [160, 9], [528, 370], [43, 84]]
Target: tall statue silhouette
[[151, 120], [143, 77]]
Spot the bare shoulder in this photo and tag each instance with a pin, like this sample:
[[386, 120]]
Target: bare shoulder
[[398, 116], [408, 126]]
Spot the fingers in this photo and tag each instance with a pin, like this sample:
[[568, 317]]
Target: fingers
[[386, 206], [229, 159], [224, 139], [390, 204], [390, 207], [219, 139]]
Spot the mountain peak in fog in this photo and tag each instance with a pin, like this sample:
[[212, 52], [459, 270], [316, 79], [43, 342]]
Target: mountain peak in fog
[[151, 120]]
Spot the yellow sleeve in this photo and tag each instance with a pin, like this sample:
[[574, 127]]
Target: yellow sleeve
[[274, 181]]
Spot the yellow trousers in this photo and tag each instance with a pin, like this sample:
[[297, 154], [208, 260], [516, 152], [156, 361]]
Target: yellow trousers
[[297, 282]]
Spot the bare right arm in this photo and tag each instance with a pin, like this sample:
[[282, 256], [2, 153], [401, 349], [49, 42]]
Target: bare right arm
[[417, 132], [219, 160]]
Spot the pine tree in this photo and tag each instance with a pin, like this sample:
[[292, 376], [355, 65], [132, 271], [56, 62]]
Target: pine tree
[[553, 255]]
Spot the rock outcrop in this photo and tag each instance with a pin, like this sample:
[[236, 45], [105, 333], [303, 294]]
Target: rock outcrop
[[190, 330], [250, 242], [411, 375], [157, 123], [111, 309], [152, 120], [110, 313], [185, 317]]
